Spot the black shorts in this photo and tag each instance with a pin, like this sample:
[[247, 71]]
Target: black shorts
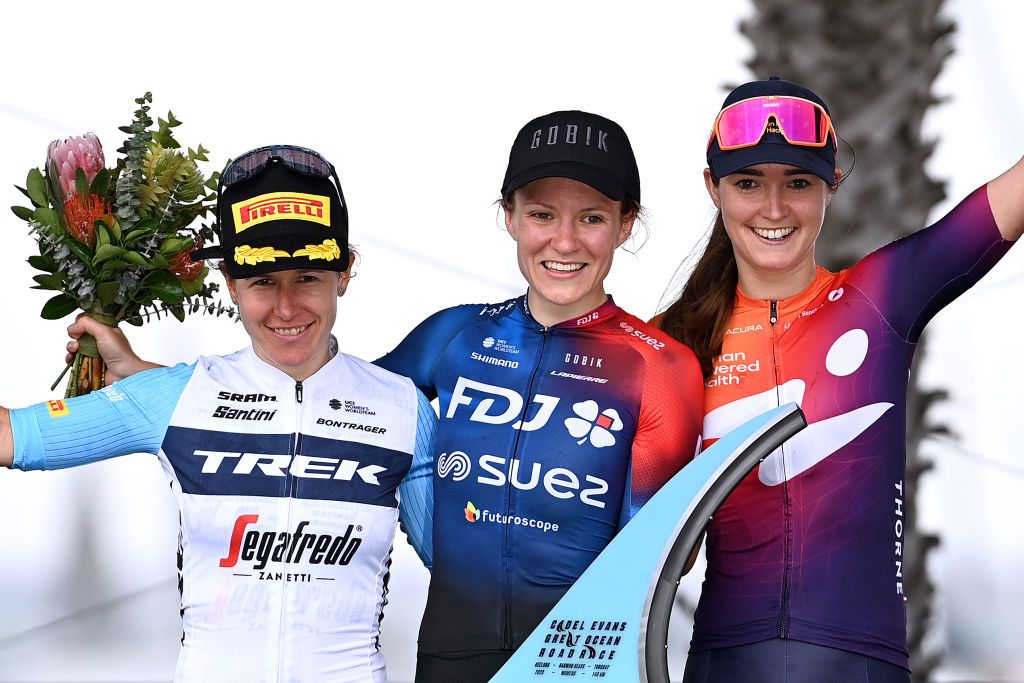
[[475, 666], [788, 661]]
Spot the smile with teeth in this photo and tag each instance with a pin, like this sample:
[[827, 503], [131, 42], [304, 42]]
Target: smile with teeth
[[773, 233], [289, 331], [562, 267]]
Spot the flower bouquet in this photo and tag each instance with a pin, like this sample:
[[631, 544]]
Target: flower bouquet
[[115, 242]]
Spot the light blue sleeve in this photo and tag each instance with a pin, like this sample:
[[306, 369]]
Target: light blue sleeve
[[416, 492], [130, 416]]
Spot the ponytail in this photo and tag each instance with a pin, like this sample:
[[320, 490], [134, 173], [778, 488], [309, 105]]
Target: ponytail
[[698, 318]]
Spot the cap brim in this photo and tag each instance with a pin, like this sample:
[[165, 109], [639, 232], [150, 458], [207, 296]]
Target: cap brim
[[206, 254], [598, 179], [727, 163]]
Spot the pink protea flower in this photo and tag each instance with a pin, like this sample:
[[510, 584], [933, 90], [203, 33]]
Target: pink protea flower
[[65, 157]]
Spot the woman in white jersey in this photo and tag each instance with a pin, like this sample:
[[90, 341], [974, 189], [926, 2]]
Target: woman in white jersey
[[287, 505]]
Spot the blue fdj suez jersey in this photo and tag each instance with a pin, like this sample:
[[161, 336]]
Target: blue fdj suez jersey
[[549, 439], [287, 499]]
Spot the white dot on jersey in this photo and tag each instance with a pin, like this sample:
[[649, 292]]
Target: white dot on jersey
[[847, 353]]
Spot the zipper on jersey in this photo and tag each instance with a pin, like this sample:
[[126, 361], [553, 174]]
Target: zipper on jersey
[[290, 486], [787, 517], [506, 625]]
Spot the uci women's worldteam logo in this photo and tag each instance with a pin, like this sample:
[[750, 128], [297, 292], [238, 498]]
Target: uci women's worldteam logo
[[277, 206]]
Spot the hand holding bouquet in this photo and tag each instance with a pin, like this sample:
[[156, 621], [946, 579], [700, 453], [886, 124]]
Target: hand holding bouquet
[[115, 242]]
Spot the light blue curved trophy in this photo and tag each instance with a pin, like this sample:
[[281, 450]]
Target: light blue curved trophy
[[612, 625]]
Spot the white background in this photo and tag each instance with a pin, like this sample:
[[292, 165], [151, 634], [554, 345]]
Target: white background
[[416, 104]]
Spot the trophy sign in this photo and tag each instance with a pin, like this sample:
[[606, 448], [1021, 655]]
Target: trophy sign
[[612, 625]]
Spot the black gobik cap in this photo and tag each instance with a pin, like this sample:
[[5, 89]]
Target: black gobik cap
[[280, 219], [577, 145], [773, 148]]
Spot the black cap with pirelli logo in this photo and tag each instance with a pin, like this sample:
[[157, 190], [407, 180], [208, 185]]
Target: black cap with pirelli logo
[[279, 209]]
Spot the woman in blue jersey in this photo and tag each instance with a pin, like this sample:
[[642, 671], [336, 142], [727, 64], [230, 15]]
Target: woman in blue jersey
[[805, 562], [561, 414], [288, 509]]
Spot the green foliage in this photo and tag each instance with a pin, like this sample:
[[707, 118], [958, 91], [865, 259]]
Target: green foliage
[[113, 253], [58, 307]]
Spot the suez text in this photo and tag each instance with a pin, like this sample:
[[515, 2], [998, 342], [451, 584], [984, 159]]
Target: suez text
[[559, 482], [277, 464]]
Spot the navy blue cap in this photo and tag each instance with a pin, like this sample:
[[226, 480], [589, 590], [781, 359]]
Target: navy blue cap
[[773, 148], [577, 145]]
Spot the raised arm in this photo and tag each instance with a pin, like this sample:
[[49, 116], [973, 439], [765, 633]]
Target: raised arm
[[113, 345], [1006, 197]]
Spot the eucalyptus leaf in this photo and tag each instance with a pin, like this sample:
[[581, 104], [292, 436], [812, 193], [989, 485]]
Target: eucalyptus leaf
[[36, 186], [58, 307]]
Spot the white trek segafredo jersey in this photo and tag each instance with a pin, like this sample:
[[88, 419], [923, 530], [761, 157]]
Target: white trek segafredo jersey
[[287, 494]]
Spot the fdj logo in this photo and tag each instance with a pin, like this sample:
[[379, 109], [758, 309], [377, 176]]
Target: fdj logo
[[500, 406], [598, 426]]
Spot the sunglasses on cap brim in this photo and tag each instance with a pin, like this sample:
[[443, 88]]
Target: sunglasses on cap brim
[[300, 159], [801, 122]]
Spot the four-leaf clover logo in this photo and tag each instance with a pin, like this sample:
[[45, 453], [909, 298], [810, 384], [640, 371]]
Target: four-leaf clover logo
[[597, 425]]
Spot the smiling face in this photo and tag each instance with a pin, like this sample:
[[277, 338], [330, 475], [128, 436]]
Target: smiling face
[[566, 233], [289, 314], [773, 214]]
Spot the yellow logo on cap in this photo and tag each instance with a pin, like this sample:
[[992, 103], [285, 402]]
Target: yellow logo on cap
[[328, 251], [57, 408], [254, 255], [277, 206]]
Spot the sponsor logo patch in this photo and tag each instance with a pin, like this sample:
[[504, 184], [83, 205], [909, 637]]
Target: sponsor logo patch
[[276, 206], [257, 549], [597, 426], [57, 408]]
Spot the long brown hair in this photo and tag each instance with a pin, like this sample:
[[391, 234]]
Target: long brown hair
[[698, 318]]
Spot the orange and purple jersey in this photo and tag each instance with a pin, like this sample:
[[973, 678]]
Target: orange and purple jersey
[[811, 545]]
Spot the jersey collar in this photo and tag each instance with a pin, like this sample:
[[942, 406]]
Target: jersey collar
[[602, 312]]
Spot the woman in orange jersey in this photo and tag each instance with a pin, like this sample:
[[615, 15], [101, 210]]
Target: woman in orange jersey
[[804, 579]]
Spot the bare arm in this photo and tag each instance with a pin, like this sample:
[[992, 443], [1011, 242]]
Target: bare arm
[[113, 346], [6, 439], [1006, 197]]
